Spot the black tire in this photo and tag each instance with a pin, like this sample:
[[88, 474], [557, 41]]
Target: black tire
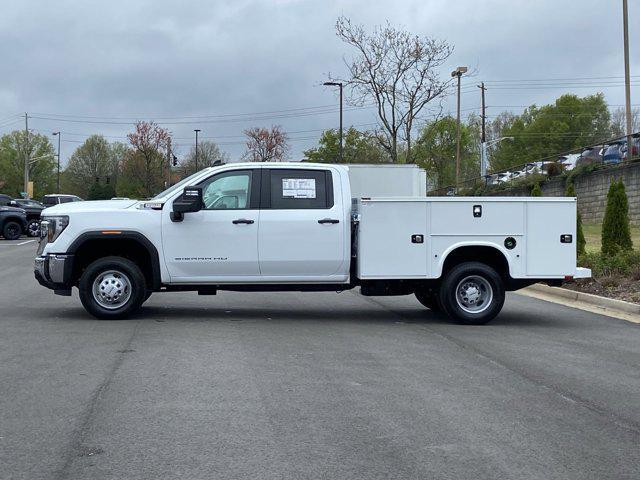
[[483, 281], [429, 299], [11, 230], [33, 228], [147, 295], [122, 267]]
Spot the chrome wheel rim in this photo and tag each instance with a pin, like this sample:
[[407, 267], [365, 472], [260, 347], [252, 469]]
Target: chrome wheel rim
[[474, 294], [34, 228], [111, 289]]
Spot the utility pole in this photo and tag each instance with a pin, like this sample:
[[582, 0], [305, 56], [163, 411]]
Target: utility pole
[[26, 155], [168, 162], [483, 144], [338, 84], [458, 73], [197, 130], [627, 76], [58, 135]]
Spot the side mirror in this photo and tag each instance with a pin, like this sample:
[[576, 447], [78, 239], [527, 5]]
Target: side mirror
[[190, 201], [13, 203]]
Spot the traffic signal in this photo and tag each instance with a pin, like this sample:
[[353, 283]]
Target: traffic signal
[[174, 161]]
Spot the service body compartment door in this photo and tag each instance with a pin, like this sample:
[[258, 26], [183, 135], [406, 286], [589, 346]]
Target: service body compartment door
[[392, 239], [546, 255]]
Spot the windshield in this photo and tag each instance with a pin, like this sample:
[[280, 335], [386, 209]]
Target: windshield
[[177, 186]]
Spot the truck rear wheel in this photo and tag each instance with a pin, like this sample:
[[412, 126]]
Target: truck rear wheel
[[112, 288], [472, 293]]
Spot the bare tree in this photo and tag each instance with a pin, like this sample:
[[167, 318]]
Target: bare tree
[[619, 121], [208, 154], [266, 145], [396, 70]]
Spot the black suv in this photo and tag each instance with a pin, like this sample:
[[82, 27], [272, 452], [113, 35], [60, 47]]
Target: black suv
[[33, 209], [13, 220]]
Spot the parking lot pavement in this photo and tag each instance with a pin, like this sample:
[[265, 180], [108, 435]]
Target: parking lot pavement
[[313, 385]]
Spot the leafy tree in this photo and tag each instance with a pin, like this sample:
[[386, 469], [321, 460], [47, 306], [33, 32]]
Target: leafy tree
[[42, 172], [435, 151], [99, 191], [358, 147], [540, 132], [92, 160], [616, 235], [536, 191], [208, 154], [398, 72], [266, 145], [580, 240], [143, 167]]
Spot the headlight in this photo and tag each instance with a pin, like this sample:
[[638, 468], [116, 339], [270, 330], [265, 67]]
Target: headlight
[[52, 227]]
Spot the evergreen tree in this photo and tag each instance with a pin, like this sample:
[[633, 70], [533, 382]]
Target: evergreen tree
[[616, 234], [580, 240]]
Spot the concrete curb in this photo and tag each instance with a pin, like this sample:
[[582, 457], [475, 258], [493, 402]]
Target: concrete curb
[[608, 304]]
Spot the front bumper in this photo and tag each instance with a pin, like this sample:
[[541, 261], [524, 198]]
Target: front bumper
[[54, 271]]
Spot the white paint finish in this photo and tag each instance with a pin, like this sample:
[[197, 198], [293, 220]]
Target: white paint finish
[[209, 246], [387, 180], [545, 255], [385, 249], [443, 245], [456, 218], [292, 243]]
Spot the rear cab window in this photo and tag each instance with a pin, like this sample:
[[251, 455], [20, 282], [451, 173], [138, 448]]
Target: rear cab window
[[297, 189]]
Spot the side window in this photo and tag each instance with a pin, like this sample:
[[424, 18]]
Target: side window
[[66, 199], [231, 190], [300, 189]]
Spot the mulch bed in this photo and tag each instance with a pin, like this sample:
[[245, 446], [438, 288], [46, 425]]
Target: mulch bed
[[620, 288]]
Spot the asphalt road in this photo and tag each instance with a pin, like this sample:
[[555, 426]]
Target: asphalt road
[[313, 385]]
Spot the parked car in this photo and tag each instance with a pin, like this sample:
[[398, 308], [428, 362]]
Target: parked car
[[591, 156], [56, 198], [33, 209], [635, 149], [614, 153], [569, 161], [13, 222]]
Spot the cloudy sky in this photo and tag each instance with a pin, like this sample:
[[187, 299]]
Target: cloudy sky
[[86, 67]]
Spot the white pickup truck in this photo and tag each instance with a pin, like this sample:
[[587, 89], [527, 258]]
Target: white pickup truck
[[295, 226]]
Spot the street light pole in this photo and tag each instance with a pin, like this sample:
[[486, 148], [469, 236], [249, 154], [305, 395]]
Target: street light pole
[[57, 134], [338, 84], [26, 155], [458, 73], [197, 130], [627, 77]]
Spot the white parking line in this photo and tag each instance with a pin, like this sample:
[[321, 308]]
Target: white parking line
[[16, 244]]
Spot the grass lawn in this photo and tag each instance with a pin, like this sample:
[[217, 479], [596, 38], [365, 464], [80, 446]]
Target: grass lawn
[[593, 236]]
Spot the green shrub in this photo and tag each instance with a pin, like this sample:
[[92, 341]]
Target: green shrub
[[536, 191], [623, 262], [580, 240], [616, 234]]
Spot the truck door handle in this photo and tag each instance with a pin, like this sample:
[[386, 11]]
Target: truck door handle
[[329, 220], [242, 220]]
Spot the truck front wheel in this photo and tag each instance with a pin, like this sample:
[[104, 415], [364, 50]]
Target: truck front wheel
[[472, 293], [112, 288]]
